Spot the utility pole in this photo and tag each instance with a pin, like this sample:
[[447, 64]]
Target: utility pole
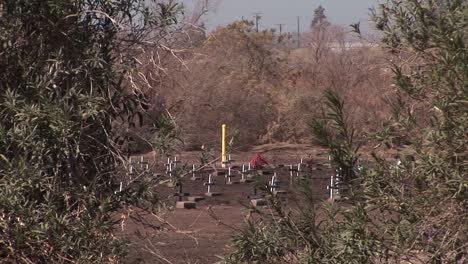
[[257, 18], [298, 32], [280, 28]]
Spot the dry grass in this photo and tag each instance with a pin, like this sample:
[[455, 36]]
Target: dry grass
[[264, 91]]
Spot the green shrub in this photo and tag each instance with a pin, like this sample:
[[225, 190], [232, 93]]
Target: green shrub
[[412, 211], [333, 131], [64, 66]]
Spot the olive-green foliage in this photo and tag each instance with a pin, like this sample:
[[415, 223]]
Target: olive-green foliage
[[273, 236], [63, 65], [306, 232], [165, 136], [414, 211], [258, 242], [422, 202], [333, 131]]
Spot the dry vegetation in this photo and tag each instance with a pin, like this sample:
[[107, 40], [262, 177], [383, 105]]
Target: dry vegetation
[[260, 86], [91, 82]]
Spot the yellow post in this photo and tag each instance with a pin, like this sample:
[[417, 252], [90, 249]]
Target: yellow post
[[223, 145]]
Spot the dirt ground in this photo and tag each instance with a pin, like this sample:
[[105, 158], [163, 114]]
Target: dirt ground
[[203, 235]]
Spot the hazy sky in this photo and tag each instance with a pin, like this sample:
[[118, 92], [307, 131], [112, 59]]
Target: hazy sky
[[343, 12]]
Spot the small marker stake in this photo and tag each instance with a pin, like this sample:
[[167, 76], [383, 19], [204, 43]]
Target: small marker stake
[[194, 173], [180, 194], [334, 188], [229, 176], [273, 183], [243, 173], [170, 170], [291, 173], [209, 184], [223, 145], [167, 165]]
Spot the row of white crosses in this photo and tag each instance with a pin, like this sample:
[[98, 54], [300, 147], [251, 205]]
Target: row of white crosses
[[244, 172], [229, 175], [335, 185], [171, 166], [142, 164], [335, 180], [134, 167], [299, 169], [246, 169], [273, 183]]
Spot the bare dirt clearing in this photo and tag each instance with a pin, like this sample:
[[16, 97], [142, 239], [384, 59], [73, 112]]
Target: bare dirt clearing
[[202, 235]]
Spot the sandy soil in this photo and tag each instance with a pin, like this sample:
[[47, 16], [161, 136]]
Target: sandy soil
[[202, 235]]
